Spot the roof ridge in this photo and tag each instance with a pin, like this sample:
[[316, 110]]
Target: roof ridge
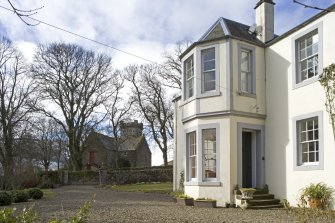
[[224, 26]]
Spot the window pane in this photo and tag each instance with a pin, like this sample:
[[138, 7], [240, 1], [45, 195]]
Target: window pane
[[208, 70], [305, 157], [311, 146], [245, 60], [303, 65], [315, 48], [192, 148], [303, 54], [302, 44], [209, 65], [310, 135], [208, 54], [190, 87], [308, 50], [209, 152], [312, 157], [309, 41], [244, 82], [209, 76], [310, 125], [308, 141], [303, 126], [209, 81], [304, 147], [315, 38], [304, 75], [209, 86], [245, 66], [246, 74], [189, 75]]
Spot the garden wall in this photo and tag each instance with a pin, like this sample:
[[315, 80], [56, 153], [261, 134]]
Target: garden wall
[[117, 176]]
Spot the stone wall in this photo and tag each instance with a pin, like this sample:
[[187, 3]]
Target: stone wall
[[117, 176]]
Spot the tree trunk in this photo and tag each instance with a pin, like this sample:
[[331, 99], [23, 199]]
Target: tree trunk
[[165, 158], [8, 182]]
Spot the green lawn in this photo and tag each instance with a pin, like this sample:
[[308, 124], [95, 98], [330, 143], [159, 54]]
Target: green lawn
[[48, 193], [162, 188]]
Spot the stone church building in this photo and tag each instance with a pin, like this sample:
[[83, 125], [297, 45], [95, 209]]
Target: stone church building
[[133, 149]]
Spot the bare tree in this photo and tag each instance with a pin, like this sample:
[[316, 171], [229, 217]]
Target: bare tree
[[172, 73], [61, 152], [15, 104], [117, 112], [152, 101], [77, 82], [45, 138]]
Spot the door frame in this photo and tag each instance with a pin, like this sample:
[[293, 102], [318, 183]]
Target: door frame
[[258, 153]]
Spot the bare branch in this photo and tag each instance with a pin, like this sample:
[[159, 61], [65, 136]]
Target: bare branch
[[78, 83], [152, 102], [23, 14], [16, 100]]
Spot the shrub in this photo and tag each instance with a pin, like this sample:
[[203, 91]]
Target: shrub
[[8, 215], [46, 182], [52, 176], [35, 193], [32, 181], [19, 196], [5, 198]]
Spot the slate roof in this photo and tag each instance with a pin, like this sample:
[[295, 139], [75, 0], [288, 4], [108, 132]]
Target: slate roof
[[106, 141], [228, 28], [129, 143], [225, 28], [241, 31]]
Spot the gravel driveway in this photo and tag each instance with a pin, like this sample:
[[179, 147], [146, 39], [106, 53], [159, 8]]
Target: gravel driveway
[[113, 206]]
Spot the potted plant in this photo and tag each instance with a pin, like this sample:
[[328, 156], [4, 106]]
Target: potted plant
[[227, 204], [236, 190], [205, 203], [247, 193], [183, 199], [318, 195], [266, 189]]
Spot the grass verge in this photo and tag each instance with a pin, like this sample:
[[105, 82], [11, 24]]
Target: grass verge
[[161, 188], [48, 193]]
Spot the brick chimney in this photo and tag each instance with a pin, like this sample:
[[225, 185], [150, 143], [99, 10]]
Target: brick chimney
[[265, 20]]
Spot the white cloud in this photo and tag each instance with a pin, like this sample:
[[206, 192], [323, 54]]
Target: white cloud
[[27, 48], [146, 28]]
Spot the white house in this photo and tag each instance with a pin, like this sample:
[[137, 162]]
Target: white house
[[252, 111]]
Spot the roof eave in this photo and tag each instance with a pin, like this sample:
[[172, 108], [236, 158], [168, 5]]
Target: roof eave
[[218, 39]]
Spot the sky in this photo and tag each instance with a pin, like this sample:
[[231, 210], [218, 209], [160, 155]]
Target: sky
[[146, 28]]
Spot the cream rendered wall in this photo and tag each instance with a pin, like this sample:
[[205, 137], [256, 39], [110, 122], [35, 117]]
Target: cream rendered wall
[[283, 104], [227, 157], [234, 120], [178, 153], [247, 103], [202, 103], [221, 193]]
